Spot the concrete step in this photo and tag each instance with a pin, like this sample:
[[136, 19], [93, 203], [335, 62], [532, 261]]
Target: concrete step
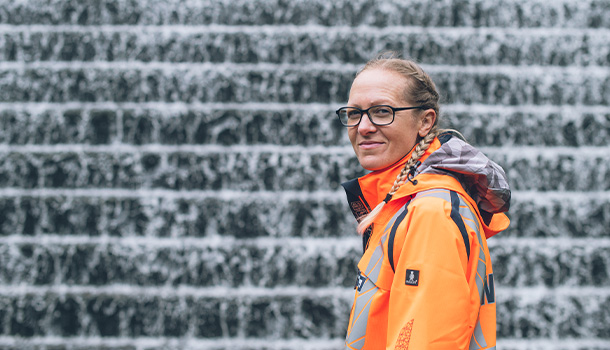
[[479, 13], [270, 169], [272, 263], [245, 215], [305, 44], [260, 124], [166, 82], [306, 124], [117, 312]]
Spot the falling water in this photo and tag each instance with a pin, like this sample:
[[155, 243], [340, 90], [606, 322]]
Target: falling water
[[170, 170]]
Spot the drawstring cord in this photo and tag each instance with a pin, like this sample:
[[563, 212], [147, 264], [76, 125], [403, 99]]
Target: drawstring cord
[[410, 176], [411, 173]]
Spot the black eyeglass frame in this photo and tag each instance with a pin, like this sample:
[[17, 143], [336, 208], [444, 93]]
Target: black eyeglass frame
[[363, 111]]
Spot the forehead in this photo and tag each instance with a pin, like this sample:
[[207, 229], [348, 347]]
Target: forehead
[[377, 86]]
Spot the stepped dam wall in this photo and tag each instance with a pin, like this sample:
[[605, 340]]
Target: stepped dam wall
[[170, 169]]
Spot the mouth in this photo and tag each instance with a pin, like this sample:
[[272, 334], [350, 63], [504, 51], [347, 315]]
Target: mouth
[[369, 144]]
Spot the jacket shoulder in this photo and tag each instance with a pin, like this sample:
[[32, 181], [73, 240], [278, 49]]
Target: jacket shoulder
[[437, 215]]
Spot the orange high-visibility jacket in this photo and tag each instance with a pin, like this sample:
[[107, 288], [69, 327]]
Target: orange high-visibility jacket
[[425, 279]]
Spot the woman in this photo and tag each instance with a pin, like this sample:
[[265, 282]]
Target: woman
[[425, 279]]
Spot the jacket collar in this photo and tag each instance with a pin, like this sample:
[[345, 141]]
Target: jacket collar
[[376, 184], [448, 163]]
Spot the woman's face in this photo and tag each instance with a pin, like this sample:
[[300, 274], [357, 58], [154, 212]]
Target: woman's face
[[378, 147]]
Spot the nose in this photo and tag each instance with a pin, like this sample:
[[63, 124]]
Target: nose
[[366, 126]]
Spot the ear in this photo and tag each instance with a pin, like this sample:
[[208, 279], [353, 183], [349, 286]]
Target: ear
[[427, 122]]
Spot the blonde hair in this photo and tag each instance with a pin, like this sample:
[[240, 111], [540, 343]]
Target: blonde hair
[[421, 91]]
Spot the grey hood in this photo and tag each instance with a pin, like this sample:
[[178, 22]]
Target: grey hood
[[483, 179]]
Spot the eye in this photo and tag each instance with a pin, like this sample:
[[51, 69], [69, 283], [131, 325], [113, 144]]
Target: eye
[[382, 111], [353, 113]]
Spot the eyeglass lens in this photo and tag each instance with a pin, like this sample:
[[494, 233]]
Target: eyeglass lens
[[379, 115]]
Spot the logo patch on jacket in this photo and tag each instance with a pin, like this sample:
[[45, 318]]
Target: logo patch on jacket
[[360, 282], [412, 278], [358, 209]]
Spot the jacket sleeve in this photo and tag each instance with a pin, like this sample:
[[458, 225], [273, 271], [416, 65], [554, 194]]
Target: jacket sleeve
[[431, 305]]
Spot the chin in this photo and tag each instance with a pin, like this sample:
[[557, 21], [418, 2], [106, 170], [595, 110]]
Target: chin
[[371, 165]]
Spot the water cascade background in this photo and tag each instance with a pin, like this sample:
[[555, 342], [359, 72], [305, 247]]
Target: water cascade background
[[170, 170]]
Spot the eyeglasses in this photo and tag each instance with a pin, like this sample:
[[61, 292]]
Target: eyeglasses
[[378, 115]]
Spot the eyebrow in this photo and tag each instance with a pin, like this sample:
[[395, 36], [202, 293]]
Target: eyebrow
[[375, 103]]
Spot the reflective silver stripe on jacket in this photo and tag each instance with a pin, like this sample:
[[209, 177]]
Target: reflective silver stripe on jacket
[[357, 335]]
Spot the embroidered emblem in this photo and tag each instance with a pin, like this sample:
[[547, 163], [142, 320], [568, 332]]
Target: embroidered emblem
[[360, 282], [412, 278], [402, 343], [358, 209]]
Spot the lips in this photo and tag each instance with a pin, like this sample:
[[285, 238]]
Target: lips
[[369, 144]]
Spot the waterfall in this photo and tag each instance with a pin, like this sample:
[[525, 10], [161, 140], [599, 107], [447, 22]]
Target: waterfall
[[170, 169]]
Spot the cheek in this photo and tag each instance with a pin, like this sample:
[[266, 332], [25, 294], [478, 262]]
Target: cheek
[[404, 141], [351, 134]]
